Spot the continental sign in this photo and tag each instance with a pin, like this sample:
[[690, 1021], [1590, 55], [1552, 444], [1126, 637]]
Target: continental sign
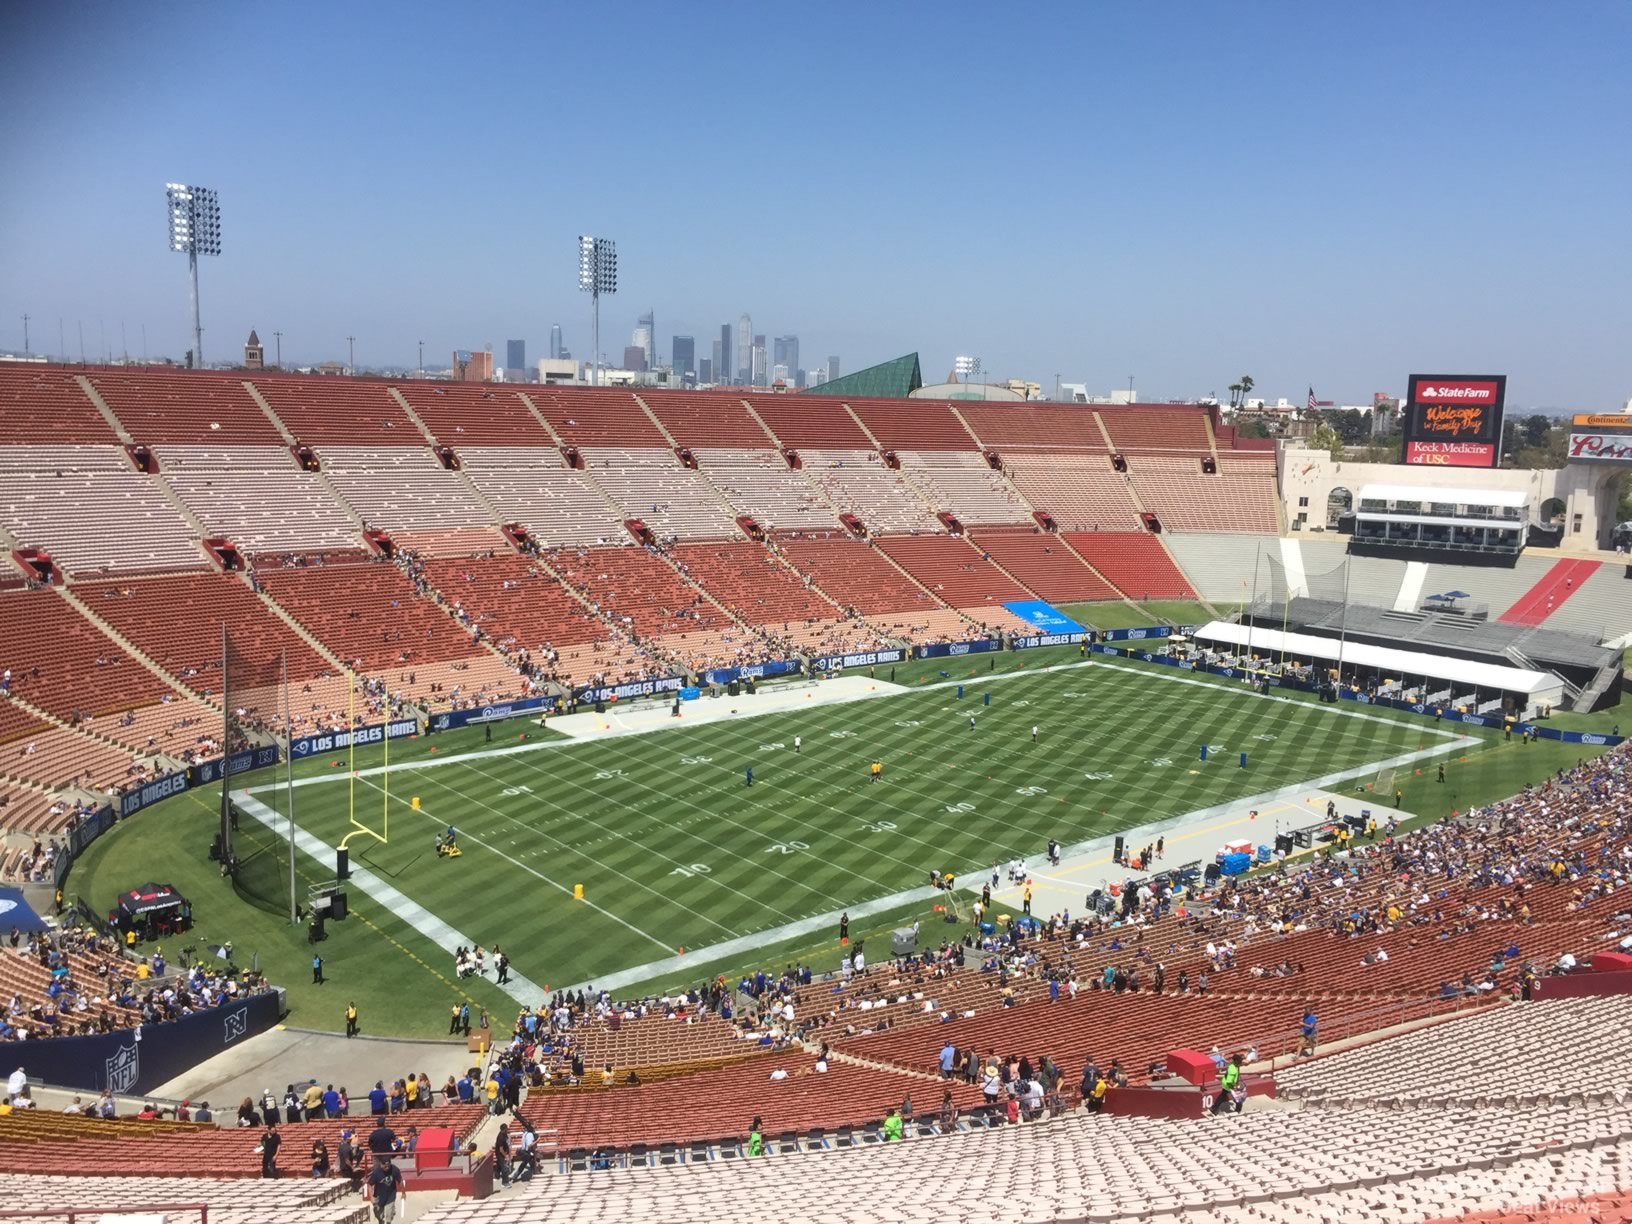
[[1612, 421], [1454, 420]]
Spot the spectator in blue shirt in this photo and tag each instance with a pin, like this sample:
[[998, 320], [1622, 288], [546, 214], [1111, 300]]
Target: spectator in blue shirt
[[376, 1099], [331, 1102]]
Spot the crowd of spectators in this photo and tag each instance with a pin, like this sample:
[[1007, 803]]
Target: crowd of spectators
[[89, 986]]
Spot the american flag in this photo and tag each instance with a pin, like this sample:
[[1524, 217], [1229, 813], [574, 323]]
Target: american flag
[[1312, 403]]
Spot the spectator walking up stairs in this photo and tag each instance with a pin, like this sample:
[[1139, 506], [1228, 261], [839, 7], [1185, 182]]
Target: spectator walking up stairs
[[1559, 583]]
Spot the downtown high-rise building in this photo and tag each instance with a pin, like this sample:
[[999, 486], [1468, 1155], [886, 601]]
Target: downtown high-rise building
[[785, 352], [723, 368], [685, 355], [646, 337], [555, 341], [832, 368], [745, 351], [515, 358], [760, 370], [705, 367]]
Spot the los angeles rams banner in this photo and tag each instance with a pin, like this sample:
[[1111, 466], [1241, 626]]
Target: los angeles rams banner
[[449, 720], [752, 671], [331, 740], [862, 658], [943, 650], [631, 688]]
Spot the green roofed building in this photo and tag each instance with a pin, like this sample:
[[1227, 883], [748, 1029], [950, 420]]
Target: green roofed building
[[895, 379]]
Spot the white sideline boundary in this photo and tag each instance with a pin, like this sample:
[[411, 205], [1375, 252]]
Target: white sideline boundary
[[1094, 853], [520, 988], [1083, 854], [886, 690]]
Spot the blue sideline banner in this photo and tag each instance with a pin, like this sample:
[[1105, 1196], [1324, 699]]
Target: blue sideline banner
[[752, 671], [1441, 713], [1049, 639], [450, 720], [1045, 618], [953, 650], [344, 739], [151, 792], [865, 658], [1137, 635], [135, 1061], [631, 688], [241, 762]]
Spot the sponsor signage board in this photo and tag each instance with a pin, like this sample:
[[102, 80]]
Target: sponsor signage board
[[1454, 420], [1599, 447]]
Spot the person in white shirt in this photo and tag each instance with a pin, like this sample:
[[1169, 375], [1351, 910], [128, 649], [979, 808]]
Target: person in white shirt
[[17, 1082]]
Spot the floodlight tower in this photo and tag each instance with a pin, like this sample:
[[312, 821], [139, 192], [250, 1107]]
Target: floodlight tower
[[597, 274], [967, 368], [195, 227]]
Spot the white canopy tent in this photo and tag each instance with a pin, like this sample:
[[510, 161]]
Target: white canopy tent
[[1539, 688]]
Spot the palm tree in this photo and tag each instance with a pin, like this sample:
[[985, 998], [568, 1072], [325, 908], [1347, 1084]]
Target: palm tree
[[1235, 395], [1246, 385]]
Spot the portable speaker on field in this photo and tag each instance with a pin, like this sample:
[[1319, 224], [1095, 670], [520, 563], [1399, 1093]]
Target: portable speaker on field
[[732, 689], [337, 905], [1283, 843], [600, 706], [342, 864], [1116, 850]]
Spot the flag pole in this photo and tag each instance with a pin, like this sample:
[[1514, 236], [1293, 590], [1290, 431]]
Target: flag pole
[[289, 780], [1343, 622], [1258, 556], [385, 776], [351, 748]]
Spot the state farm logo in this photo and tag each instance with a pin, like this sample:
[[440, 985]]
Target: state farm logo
[[1456, 391]]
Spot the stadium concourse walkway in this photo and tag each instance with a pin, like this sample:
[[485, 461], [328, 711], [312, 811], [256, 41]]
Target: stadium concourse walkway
[[268, 1060]]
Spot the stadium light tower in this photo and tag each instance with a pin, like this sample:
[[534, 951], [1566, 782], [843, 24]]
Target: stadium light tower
[[967, 368], [597, 274], [195, 227]]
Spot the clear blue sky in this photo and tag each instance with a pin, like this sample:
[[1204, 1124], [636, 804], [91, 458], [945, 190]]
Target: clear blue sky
[[1320, 194]]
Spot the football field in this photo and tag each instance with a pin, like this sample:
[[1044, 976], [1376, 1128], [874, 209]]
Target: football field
[[675, 849]]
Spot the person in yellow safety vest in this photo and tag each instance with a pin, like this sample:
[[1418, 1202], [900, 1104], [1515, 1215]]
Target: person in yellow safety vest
[[1228, 1084], [892, 1126], [877, 770], [1025, 898]]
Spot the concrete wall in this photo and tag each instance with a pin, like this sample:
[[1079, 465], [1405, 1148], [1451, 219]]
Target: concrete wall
[[1585, 489]]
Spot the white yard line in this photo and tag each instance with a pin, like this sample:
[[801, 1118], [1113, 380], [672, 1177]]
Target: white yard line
[[1084, 854], [1093, 853], [519, 988], [536, 874]]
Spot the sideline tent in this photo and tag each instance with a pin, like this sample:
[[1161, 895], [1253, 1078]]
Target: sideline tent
[[150, 899], [1537, 688]]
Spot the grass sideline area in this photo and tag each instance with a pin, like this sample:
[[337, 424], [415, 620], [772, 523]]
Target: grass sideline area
[[635, 818], [1135, 616]]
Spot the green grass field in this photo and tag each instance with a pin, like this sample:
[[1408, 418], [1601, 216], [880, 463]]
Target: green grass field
[[1129, 616], [675, 850]]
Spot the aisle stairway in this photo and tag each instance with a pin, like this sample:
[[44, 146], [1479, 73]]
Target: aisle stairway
[[1545, 598]]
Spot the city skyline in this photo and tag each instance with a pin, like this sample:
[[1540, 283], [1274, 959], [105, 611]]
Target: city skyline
[[1280, 190]]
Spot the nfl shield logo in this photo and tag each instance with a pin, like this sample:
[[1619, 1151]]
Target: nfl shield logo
[[123, 1068], [234, 1023]]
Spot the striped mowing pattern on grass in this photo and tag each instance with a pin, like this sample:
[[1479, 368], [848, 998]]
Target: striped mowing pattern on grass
[[675, 849]]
